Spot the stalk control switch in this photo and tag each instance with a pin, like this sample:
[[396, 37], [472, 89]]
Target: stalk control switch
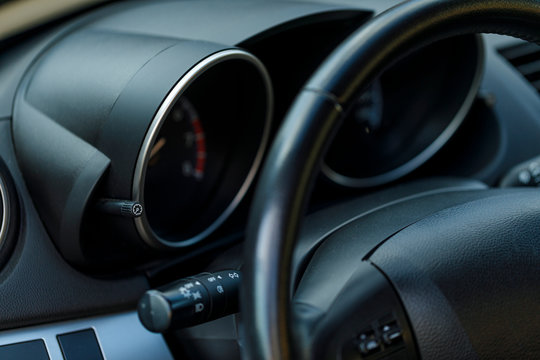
[[191, 301]]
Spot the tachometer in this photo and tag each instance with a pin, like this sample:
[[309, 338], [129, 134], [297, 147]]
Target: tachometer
[[158, 144], [174, 186], [202, 149], [3, 211], [8, 214], [182, 138]]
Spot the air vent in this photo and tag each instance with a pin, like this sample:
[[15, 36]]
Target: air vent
[[526, 59], [8, 214]]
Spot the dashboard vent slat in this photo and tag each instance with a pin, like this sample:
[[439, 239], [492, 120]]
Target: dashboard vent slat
[[525, 57]]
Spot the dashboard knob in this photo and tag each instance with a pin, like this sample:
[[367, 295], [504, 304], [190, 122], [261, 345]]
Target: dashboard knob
[[128, 208]]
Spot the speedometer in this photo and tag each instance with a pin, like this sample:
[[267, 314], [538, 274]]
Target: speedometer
[[407, 115]]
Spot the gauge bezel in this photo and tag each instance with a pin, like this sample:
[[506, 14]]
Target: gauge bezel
[[4, 197], [141, 223], [428, 152]]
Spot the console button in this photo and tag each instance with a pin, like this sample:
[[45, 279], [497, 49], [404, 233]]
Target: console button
[[80, 345], [368, 344], [391, 334], [29, 350]]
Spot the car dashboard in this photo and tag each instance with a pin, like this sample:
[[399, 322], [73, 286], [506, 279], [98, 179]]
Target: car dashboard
[[132, 136]]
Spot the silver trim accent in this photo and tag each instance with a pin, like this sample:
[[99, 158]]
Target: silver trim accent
[[141, 223], [428, 152], [121, 336], [4, 224]]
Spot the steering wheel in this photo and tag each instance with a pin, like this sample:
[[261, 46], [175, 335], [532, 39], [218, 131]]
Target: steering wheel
[[487, 245]]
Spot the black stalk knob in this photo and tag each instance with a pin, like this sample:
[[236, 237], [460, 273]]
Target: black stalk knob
[[191, 301]]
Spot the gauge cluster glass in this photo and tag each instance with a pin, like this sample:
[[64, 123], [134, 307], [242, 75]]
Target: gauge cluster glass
[[406, 115], [7, 215], [206, 152], [3, 211], [176, 170]]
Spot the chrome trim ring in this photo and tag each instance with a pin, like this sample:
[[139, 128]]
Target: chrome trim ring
[[143, 227], [428, 152], [4, 202]]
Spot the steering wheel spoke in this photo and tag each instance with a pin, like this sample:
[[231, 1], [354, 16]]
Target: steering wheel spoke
[[363, 318]]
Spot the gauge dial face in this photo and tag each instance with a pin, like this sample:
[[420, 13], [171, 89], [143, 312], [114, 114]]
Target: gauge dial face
[[378, 144], [408, 114], [4, 214], [176, 169], [2, 211], [182, 137], [358, 139], [202, 150]]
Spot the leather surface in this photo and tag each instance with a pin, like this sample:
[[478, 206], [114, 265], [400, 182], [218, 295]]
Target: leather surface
[[295, 156], [318, 226], [336, 259], [265, 295], [469, 277]]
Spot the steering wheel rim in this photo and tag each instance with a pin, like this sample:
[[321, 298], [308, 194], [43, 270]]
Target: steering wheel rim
[[295, 157]]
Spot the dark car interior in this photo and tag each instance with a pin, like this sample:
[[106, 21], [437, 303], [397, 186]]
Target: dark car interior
[[323, 179]]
